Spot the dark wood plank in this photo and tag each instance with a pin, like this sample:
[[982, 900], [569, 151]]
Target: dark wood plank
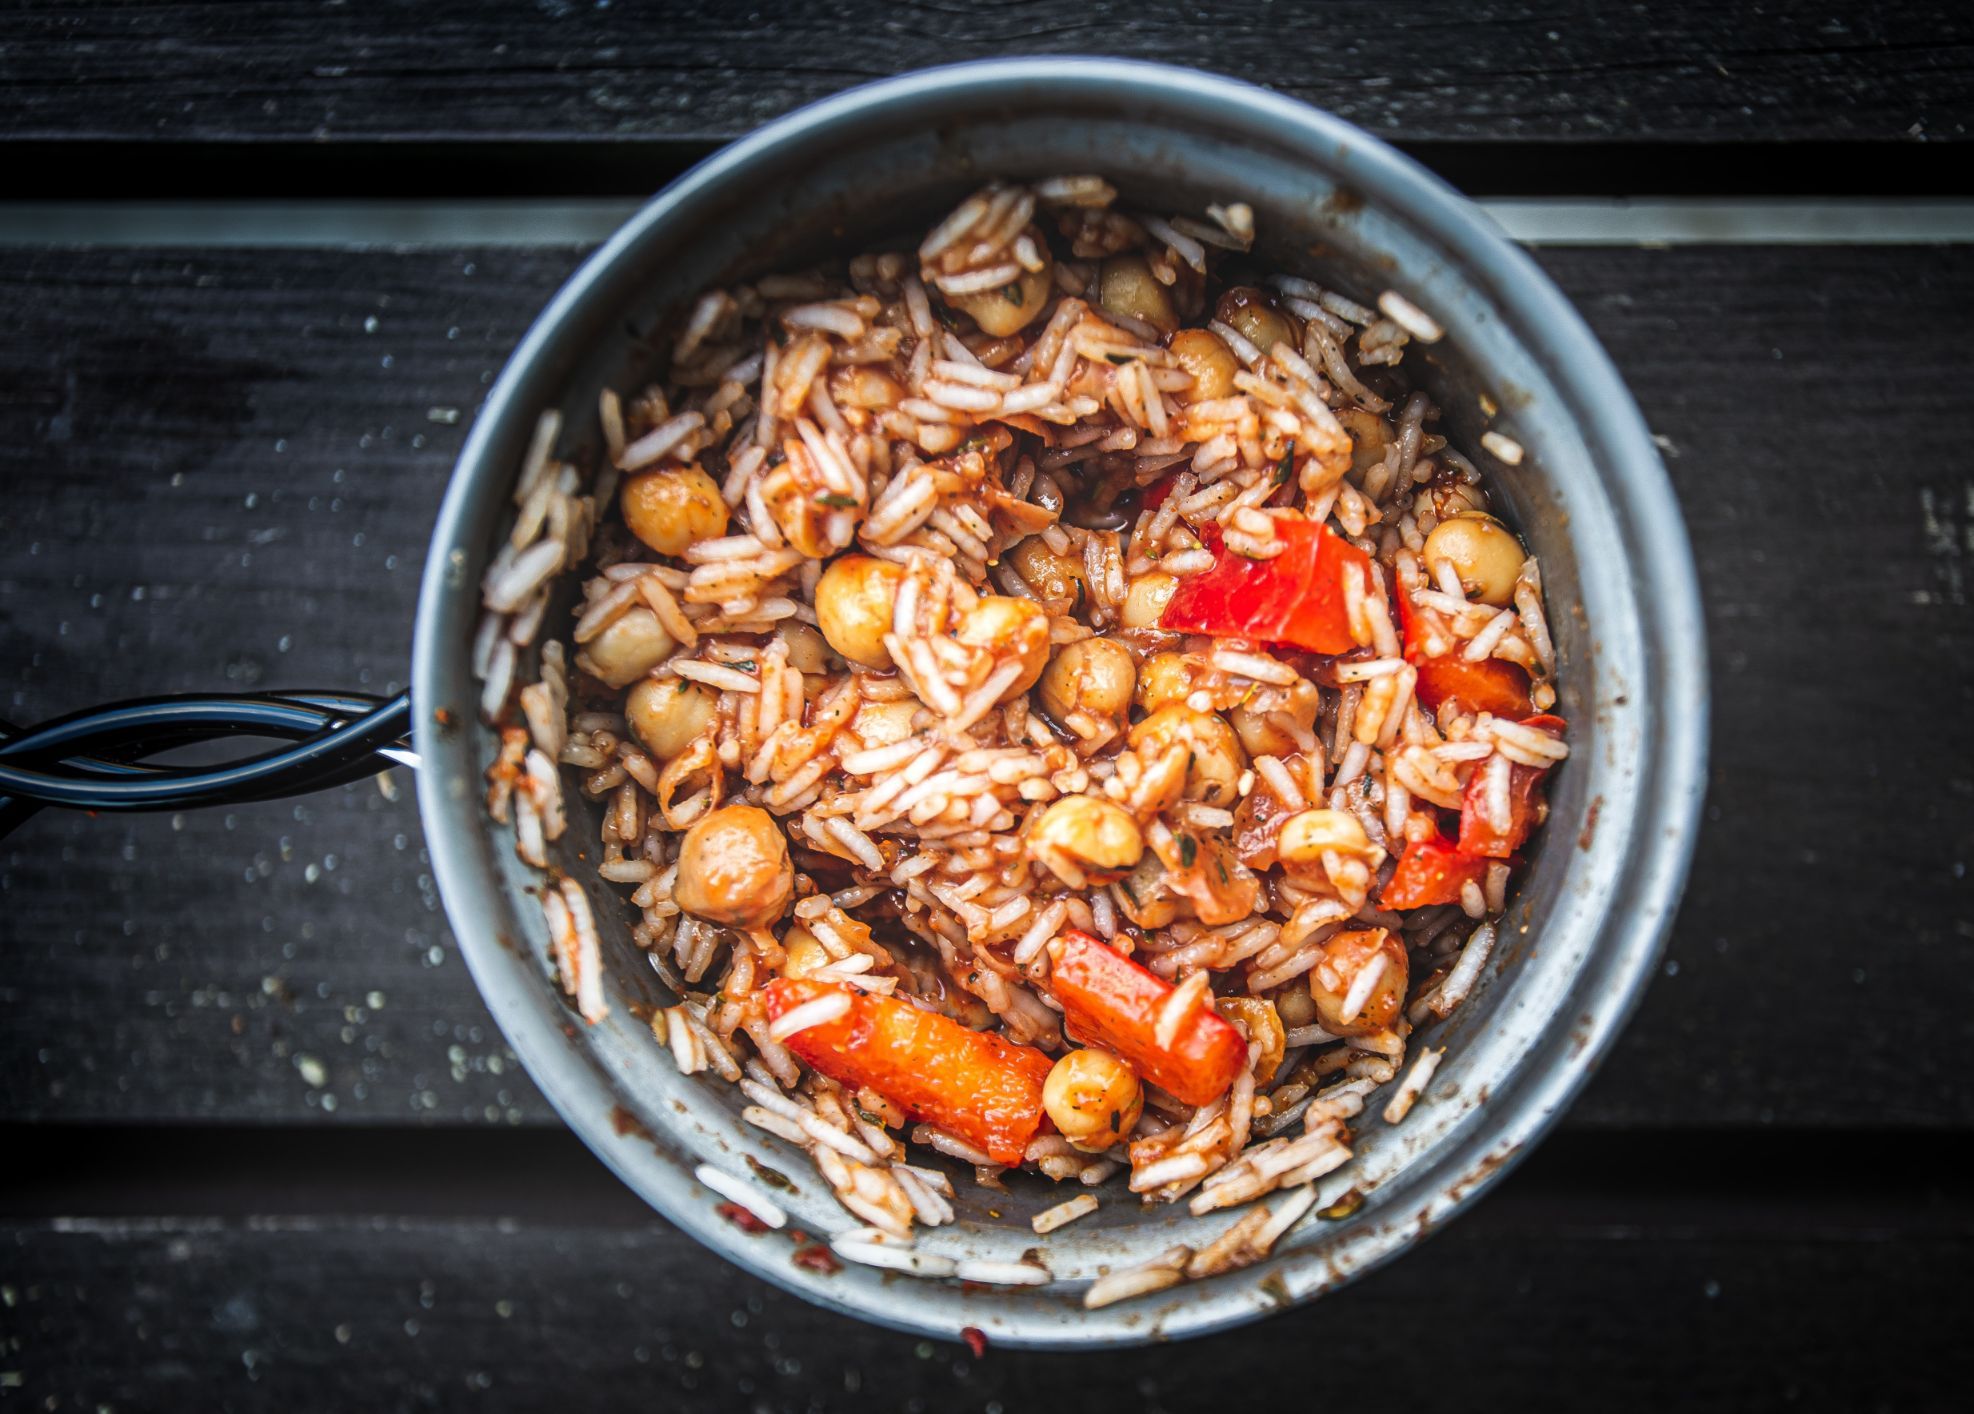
[[164, 414], [226, 471], [1515, 1306], [1439, 70]]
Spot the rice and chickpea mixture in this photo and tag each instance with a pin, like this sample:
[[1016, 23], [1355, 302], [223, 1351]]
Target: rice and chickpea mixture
[[1052, 704]]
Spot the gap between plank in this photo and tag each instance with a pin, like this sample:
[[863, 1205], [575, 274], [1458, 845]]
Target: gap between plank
[[1538, 221], [1747, 1181]]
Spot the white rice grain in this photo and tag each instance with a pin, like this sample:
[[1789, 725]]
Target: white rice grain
[[1413, 1084], [1460, 981], [1049, 1219], [747, 1195], [989, 1273], [1409, 317], [893, 1257], [714, 675], [1361, 987], [1505, 450], [1176, 1008], [812, 1013], [1163, 1271], [661, 440]]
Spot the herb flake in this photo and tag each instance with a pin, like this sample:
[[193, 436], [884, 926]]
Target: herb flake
[[1285, 468], [1188, 851], [1011, 292], [836, 500]]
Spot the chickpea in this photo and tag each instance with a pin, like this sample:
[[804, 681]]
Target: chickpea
[[1294, 1005], [1056, 578], [853, 607], [1164, 679], [1262, 737], [1256, 1019], [1126, 286], [805, 954], [1251, 313], [1484, 553], [884, 723], [1369, 436], [1147, 902], [1092, 1098], [671, 509], [1447, 496], [669, 714], [734, 868], [1307, 835], [1013, 306], [863, 386], [791, 504], [1019, 625], [1094, 675], [1210, 362], [808, 651], [1145, 600], [1096, 833], [628, 649], [1217, 760], [1345, 957]]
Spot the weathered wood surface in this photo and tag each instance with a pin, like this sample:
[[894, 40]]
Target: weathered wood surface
[[1520, 1305], [601, 74], [222, 467]]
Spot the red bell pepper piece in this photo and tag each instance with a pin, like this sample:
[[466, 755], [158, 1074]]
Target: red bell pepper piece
[[1429, 872], [1155, 494], [1477, 835], [1111, 1001], [1488, 686], [980, 1087], [1296, 598]]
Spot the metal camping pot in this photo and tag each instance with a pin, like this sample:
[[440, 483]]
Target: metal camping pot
[[1589, 497]]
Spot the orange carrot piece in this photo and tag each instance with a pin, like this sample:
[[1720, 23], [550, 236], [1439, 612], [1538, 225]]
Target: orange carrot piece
[[976, 1086], [1111, 1001]]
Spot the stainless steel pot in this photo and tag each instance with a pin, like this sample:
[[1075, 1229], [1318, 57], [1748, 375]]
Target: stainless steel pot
[[1590, 497]]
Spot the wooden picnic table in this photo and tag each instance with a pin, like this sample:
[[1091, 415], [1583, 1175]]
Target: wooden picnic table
[[266, 1149]]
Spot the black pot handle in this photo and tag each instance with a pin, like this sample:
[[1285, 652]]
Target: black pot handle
[[97, 759]]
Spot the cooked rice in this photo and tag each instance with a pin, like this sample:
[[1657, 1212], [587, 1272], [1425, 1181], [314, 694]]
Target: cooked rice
[[1049, 1219], [1168, 1269], [1505, 449], [1413, 1085], [1409, 317], [996, 457], [747, 1195]]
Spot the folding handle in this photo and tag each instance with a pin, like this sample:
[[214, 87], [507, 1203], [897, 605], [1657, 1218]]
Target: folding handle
[[98, 759]]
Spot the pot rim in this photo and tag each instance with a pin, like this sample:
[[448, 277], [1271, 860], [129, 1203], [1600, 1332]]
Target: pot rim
[[1664, 810]]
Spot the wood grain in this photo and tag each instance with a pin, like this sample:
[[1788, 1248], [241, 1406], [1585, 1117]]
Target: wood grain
[[1519, 1308], [594, 74], [222, 472]]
